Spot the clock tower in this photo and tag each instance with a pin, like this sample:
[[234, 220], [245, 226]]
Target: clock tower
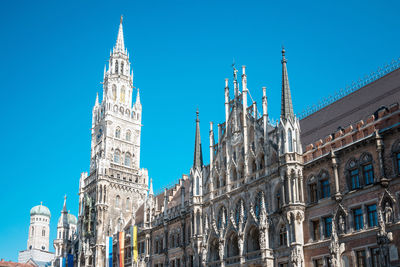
[[116, 186]]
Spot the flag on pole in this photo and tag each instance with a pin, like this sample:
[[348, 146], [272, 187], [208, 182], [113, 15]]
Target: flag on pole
[[135, 247], [109, 251], [121, 249]]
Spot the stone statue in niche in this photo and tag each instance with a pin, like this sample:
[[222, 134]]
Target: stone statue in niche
[[342, 224], [388, 213]]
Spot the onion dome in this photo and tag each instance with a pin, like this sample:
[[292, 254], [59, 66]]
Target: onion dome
[[72, 219], [40, 210]]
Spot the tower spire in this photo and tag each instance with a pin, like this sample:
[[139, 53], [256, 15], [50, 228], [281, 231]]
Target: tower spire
[[120, 45], [64, 210], [286, 105], [198, 155]]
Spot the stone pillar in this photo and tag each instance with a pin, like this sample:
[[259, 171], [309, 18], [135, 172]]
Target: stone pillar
[[337, 196], [245, 133], [379, 148]]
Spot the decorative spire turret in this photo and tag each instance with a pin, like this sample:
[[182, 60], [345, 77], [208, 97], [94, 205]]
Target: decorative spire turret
[[120, 45], [151, 192], [287, 106], [198, 155]]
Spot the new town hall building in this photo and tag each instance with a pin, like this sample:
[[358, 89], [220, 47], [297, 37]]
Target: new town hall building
[[320, 191]]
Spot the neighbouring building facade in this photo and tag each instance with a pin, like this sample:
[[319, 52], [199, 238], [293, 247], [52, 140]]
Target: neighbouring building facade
[[320, 191]]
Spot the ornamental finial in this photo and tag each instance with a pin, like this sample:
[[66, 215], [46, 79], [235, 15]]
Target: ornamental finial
[[120, 21]]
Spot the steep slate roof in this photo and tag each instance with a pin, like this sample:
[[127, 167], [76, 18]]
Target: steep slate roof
[[352, 108]]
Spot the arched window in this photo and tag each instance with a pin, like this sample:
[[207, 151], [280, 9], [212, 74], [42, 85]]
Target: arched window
[[312, 189], [117, 201], [33, 231], [283, 236], [367, 168], [116, 66], [278, 196], [128, 135], [353, 174], [43, 232], [253, 240], [114, 92], [128, 203], [118, 133], [325, 186], [122, 97], [282, 142], [258, 204], [198, 223], [116, 156], [127, 159], [254, 165], [197, 185], [122, 67], [290, 141]]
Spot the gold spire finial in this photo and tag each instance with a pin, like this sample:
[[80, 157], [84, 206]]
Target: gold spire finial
[[122, 17]]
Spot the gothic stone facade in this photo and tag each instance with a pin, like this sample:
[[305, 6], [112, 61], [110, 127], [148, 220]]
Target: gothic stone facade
[[261, 201]]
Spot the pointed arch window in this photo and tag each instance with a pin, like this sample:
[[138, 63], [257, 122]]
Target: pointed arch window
[[118, 132], [283, 236], [197, 185], [367, 169], [128, 159], [290, 141], [116, 156], [353, 175], [128, 203], [114, 92], [117, 201], [122, 97], [122, 67], [128, 135], [258, 204], [116, 66]]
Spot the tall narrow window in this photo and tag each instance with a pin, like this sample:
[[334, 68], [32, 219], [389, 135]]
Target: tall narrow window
[[118, 132], [375, 257], [122, 98], [372, 216], [128, 135], [43, 232], [361, 258], [316, 231], [33, 231], [122, 67], [368, 174], [116, 156], [325, 189], [355, 179], [358, 219], [328, 226], [319, 263], [283, 236], [197, 185], [313, 192], [117, 202], [398, 162], [127, 159], [290, 141], [114, 92], [116, 66], [128, 203]]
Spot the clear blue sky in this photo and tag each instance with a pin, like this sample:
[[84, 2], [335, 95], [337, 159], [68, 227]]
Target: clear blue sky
[[53, 55]]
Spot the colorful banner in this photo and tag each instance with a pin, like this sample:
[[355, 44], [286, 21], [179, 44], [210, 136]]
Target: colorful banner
[[62, 262], [70, 260], [121, 249], [135, 247], [109, 251]]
